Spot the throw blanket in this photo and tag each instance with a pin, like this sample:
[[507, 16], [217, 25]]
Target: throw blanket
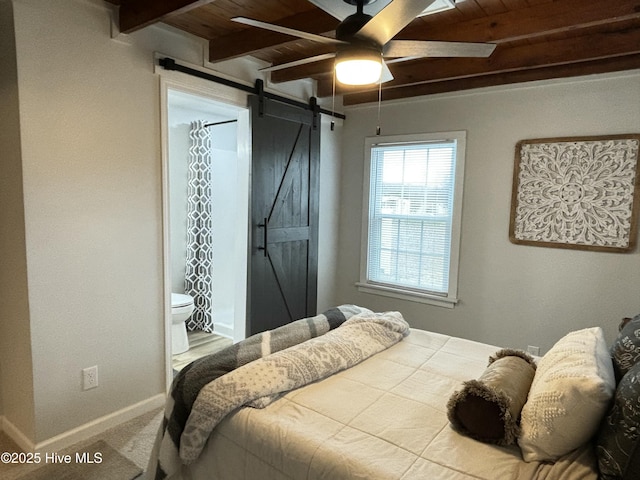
[[196, 375], [357, 339]]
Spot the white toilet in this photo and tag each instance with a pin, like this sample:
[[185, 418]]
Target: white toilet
[[181, 309]]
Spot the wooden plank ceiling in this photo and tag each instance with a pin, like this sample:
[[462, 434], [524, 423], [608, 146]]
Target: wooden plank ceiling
[[536, 39]]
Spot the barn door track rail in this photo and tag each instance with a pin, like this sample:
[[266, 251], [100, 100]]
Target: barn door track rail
[[170, 64]]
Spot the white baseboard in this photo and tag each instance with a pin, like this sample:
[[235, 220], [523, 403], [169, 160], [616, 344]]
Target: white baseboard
[[223, 329], [83, 432], [15, 434]]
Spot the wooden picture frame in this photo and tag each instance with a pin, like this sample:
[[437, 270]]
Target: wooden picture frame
[[576, 192]]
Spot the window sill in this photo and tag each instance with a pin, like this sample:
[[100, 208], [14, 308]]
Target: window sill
[[408, 295]]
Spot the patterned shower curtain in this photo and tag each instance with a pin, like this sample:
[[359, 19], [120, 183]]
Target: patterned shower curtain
[[199, 271]]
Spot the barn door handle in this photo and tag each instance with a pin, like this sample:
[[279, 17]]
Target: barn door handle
[[263, 225]]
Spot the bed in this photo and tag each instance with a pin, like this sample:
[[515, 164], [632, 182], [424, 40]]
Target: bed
[[387, 416]]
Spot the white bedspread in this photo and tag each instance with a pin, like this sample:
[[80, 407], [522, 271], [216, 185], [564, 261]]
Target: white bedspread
[[382, 419]]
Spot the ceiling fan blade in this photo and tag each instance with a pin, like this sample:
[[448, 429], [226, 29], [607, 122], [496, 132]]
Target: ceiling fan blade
[[287, 31], [386, 75], [295, 63], [391, 19], [428, 48]]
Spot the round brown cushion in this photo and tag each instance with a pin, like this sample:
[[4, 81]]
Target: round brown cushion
[[488, 408]]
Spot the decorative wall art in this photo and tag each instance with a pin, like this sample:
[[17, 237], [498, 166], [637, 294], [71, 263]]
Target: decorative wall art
[[579, 193]]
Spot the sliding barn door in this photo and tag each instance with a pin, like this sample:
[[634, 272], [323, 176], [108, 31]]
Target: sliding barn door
[[284, 213]]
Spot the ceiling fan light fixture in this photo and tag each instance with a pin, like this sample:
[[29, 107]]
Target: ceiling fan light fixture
[[358, 66]]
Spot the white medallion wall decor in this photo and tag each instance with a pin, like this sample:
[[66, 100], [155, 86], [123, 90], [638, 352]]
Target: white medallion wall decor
[[579, 193]]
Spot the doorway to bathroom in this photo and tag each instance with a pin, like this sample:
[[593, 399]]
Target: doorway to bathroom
[[206, 200]]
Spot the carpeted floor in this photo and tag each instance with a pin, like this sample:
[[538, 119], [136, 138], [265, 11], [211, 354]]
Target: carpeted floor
[[97, 460], [132, 440], [123, 451]]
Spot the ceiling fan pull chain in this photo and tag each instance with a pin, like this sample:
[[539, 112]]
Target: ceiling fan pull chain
[[333, 99], [379, 101]]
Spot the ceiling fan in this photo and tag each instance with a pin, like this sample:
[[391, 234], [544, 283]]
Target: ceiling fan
[[363, 41]]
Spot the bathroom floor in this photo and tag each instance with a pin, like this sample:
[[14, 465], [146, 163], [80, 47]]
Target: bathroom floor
[[200, 344]]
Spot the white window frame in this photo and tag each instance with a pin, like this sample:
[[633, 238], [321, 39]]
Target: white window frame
[[450, 298]]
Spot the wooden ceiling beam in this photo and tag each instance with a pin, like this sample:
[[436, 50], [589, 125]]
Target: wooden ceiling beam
[[137, 14], [308, 70], [629, 62], [250, 40], [527, 23]]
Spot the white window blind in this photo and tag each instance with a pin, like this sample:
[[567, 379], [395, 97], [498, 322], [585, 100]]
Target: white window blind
[[411, 209]]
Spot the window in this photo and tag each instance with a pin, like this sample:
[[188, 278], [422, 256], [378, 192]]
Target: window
[[413, 189]]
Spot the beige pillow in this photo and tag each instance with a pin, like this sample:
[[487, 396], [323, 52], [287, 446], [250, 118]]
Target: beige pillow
[[569, 396]]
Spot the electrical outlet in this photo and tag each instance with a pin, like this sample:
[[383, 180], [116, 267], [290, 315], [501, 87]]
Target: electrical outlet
[[533, 350], [90, 377]]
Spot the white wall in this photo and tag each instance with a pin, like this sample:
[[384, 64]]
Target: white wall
[[510, 295], [178, 172], [91, 256], [329, 211], [16, 377], [90, 158]]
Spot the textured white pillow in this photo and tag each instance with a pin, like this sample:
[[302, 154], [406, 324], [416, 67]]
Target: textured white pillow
[[570, 393]]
